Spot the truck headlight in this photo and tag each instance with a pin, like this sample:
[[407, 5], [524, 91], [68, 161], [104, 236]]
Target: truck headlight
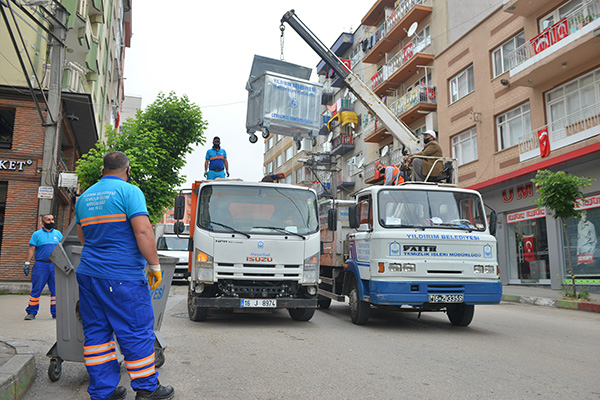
[[311, 269], [484, 269], [203, 266]]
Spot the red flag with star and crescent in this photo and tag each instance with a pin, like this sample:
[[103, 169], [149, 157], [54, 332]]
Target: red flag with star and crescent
[[544, 142]]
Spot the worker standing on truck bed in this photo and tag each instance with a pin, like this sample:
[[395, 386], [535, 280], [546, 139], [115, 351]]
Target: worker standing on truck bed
[[422, 166], [216, 165], [114, 297]]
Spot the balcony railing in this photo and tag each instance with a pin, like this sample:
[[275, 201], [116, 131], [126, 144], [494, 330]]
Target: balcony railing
[[573, 22], [563, 132], [420, 94], [370, 127], [392, 158], [401, 10]]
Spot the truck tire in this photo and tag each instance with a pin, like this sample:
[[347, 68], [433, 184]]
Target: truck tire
[[301, 314], [323, 303], [195, 313], [461, 314], [359, 310]]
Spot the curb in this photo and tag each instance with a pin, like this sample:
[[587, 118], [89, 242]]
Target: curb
[[542, 301], [16, 376]]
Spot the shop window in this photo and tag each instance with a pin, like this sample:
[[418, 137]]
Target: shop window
[[7, 126], [528, 246], [583, 241]]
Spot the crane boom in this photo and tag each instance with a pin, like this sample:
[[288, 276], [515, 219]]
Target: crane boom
[[366, 96]]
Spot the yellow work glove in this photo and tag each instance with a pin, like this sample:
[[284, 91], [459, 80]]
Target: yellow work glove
[[154, 276]]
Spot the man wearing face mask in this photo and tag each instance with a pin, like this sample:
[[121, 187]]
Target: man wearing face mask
[[422, 166], [42, 243], [216, 165]]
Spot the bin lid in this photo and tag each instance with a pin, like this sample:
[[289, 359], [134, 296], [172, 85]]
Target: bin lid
[[262, 64]]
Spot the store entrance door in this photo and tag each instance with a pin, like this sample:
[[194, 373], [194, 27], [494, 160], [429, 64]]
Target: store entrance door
[[528, 247]]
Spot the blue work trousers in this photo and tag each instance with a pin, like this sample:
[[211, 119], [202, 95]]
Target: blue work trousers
[[212, 174], [42, 274], [124, 308]]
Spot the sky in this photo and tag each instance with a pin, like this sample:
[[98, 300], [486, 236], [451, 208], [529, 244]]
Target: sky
[[204, 49]]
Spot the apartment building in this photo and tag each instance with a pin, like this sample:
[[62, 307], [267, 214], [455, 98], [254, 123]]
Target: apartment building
[[518, 93], [97, 31]]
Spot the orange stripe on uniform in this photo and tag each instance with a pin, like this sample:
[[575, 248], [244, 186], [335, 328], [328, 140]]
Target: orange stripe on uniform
[[217, 158], [103, 216], [140, 363], [104, 221], [100, 359], [98, 348], [141, 374]]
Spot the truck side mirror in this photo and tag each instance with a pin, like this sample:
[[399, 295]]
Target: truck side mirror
[[179, 210], [179, 227], [354, 216], [331, 220], [493, 222]]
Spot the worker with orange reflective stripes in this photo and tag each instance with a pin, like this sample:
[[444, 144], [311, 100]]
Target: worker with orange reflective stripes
[[393, 175], [216, 165], [114, 297], [42, 243]]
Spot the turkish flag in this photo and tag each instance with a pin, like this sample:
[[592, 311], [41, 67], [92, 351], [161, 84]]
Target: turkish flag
[[528, 245], [544, 142], [347, 64]]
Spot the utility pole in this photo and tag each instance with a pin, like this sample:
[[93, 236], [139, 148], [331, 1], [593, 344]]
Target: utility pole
[[53, 114]]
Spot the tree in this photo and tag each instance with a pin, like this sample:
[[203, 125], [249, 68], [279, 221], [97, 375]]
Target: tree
[[558, 192], [156, 142]]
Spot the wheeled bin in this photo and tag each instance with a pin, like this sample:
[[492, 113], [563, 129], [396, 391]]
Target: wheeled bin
[[69, 330]]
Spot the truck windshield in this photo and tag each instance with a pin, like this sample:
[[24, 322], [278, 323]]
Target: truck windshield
[[430, 209], [257, 210], [173, 243]]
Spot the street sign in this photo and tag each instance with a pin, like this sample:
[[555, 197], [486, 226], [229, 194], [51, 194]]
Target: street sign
[[45, 192], [67, 179]]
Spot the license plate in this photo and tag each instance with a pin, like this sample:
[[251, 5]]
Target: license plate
[[259, 303], [446, 298]]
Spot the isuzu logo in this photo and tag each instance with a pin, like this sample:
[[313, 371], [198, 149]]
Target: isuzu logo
[[417, 247], [259, 259]]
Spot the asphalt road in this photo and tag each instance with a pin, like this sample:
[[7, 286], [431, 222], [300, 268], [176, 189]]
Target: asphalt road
[[510, 351]]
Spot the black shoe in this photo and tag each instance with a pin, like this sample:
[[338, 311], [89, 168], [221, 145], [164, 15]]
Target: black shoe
[[54, 317], [161, 393], [119, 394], [29, 317]]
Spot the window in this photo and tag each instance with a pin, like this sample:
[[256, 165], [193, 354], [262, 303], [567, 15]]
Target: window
[[513, 124], [462, 84], [500, 56], [278, 161], [7, 127], [269, 143], [574, 101], [365, 212], [270, 167], [419, 130], [464, 146], [288, 179], [288, 153], [559, 13]]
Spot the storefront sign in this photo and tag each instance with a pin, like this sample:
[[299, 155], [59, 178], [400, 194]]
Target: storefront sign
[[523, 191], [45, 192], [589, 202], [525, 215], [14, 165], [67, 179]]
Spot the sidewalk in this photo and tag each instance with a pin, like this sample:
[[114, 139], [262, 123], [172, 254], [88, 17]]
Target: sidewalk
[[19, 343]]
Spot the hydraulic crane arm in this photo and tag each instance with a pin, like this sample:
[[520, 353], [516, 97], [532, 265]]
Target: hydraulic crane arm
[[370, 100]]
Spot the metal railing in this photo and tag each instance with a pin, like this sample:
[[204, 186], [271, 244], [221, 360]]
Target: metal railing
[[571, 23], [370, 127], [401, 10], [564, 131], [420, 94]]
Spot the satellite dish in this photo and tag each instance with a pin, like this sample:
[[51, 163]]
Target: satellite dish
[[330, 136], [413, 28], [384, 151], [360, 162]]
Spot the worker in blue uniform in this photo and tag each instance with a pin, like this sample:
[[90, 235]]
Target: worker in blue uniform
[[41, 245], [216, 165], [114, 297]]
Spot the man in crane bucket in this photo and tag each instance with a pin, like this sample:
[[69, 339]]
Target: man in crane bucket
[[422, 166]]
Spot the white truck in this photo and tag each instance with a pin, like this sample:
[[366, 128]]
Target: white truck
[[253, 245], [169, 244], [427, 246]]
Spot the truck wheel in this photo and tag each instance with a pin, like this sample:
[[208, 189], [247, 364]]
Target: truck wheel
[[461, 314], [359, 310], [324, 303], [301, 314], [195, 313]]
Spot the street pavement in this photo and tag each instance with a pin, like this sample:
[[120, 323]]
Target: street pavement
[[21, 341]]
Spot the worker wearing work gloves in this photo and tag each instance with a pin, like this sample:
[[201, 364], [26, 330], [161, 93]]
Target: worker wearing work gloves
[[114, 297], [216, 165], [422, 166], [42, 243]]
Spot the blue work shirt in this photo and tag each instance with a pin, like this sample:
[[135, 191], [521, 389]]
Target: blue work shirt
[[216, 158], [45, 242], [104, 212]]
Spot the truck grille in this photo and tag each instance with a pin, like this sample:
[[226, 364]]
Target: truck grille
[[264, 271], [262, 289]]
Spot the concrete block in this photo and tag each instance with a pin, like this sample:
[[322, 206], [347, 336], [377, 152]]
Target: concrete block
[[568, 304], [17, 376]]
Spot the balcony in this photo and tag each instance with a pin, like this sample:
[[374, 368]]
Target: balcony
[[402, 65], [374, 14], [406, 13], [375, 131], [379, 46], [342, 144], [569, 43], [563, 132], [411, 107], [391, 158]]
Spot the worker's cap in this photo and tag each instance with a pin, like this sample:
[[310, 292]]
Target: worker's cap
[[216, 139], [430, 132]]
